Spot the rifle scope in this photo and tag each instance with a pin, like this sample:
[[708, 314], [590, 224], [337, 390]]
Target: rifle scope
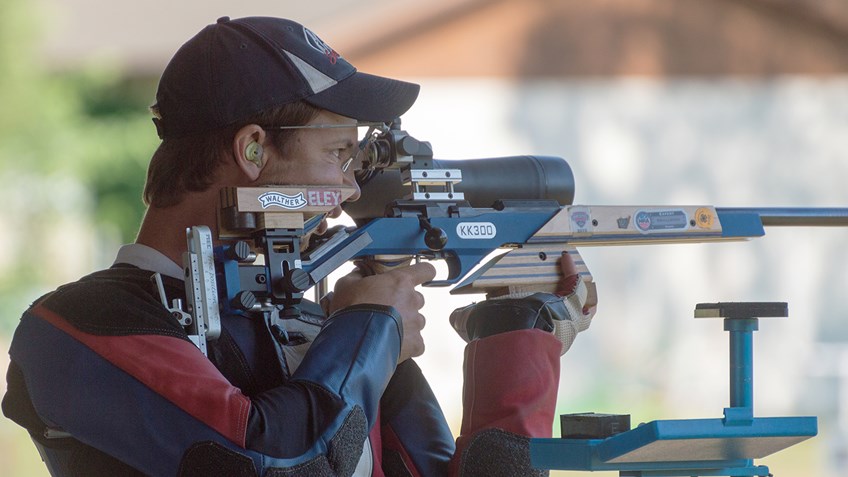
[[484, 181]]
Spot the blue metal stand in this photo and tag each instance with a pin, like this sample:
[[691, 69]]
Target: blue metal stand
[[694, 447]]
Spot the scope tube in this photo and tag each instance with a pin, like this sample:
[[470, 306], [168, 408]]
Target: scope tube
[[484, 181]]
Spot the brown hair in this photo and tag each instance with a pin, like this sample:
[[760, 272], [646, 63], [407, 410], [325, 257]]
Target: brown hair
[[188, 163]]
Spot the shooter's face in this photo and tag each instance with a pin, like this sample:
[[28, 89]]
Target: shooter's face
[[315, 157]]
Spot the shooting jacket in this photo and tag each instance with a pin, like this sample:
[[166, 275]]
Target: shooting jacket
[[107, 383]]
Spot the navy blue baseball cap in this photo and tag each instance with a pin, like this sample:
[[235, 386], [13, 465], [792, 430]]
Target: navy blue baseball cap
[[234, 69]]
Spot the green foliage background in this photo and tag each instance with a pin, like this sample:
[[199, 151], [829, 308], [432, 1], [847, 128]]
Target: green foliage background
[[74, 146], [73, 149]]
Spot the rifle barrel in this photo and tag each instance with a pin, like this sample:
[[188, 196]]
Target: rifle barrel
[[795, 216]]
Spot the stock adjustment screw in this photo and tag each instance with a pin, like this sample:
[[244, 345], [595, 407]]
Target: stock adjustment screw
[[240, 251], [244, 300], [296, 281], [409, 146]]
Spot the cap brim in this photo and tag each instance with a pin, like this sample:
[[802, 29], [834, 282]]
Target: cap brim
[[367, 97]]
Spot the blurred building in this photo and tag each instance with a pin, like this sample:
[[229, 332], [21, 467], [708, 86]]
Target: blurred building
[[491, 38], [731, 103]]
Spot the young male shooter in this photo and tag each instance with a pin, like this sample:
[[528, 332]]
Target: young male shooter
[[107, 382]]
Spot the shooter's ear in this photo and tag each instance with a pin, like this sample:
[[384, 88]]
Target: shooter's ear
[[248, 151]]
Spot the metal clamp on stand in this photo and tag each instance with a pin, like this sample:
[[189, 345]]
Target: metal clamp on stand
[[692, 447]]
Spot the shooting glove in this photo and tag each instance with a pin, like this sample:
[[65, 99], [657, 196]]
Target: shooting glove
[[563, 313]]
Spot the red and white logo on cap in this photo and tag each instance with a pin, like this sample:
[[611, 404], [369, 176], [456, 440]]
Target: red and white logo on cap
[[315, 42]]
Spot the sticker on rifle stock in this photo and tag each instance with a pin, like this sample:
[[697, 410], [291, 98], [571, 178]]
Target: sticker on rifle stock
[[290, 202], [324, 197], [476, 230], [580, 218], [660, 220], [704, 218]]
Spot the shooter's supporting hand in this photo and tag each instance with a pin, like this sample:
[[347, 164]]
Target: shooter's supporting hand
[[395, 288], [565, 313]]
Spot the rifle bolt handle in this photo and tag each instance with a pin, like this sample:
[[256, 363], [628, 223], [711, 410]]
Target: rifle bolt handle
[[435, 239]]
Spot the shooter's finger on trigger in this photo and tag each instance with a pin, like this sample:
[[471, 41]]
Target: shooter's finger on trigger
[[418, 273]]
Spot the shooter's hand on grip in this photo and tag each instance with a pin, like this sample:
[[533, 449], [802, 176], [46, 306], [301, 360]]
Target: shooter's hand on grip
[[395, 288], [565, 313]]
